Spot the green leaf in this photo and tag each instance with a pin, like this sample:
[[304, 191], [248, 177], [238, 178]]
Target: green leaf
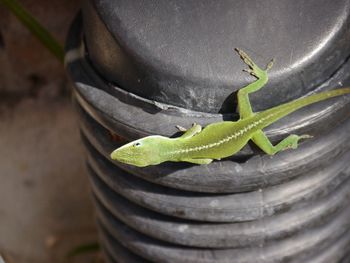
[[82, 249], [35, 27]]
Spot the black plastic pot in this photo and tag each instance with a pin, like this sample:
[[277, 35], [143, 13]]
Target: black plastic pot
[[146, 66]]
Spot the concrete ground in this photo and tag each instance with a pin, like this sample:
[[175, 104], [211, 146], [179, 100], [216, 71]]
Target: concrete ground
[[45, 206]]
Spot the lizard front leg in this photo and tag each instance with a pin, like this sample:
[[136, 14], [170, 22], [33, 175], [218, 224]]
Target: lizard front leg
[[244, 107], [196, 128], [197, 161]]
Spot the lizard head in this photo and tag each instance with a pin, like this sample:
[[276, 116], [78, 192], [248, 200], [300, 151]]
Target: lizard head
[[142, 152]]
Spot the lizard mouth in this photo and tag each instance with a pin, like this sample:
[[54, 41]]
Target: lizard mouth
[[123, 156]]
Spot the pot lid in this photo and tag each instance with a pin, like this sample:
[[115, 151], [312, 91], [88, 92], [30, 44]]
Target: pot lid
[[181, 52]]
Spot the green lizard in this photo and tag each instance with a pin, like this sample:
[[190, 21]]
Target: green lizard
[[221, 139]]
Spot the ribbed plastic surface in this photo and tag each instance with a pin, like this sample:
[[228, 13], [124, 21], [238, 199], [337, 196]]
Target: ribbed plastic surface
[[292, 207]]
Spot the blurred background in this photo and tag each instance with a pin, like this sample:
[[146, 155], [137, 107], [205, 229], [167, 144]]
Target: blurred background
[[45, 206]]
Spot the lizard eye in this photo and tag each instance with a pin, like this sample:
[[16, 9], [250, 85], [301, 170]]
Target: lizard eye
[[137, 144]]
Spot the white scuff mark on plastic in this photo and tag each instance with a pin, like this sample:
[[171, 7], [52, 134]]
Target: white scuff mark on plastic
[[214, 203], [183, 228], [238, 168]]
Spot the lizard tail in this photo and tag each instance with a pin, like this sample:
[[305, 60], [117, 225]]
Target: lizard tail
[[280, 111]]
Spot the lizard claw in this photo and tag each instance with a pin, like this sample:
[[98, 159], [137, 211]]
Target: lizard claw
[[270, 64], [305, 136], [245, 58], [250, 71]]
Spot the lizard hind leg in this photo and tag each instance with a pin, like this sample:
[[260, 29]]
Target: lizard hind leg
[[291, 142], [244, 107]]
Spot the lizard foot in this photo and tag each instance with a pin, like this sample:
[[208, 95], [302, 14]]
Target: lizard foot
[[294, 139], [254, 70]]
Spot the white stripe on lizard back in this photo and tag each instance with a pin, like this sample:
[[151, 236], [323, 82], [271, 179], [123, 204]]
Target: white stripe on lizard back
[[227, 139]]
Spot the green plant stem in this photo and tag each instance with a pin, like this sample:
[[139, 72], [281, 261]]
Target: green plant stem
[[35, 27], [82, 249]]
